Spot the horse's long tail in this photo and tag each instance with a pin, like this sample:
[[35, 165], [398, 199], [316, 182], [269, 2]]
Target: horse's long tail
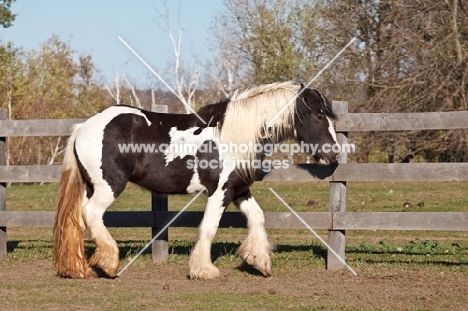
[[69, 255]]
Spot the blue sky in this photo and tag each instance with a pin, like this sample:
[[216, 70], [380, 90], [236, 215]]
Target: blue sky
[[94, 26]]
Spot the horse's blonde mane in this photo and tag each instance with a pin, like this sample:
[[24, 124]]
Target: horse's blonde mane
[[248, 115]]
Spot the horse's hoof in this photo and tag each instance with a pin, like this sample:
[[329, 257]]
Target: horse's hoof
[[91, 274], [261, 261], [104, 265], [207, 272], [263, 266]]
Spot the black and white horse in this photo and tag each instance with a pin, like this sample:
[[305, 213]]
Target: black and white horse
[[96, 169]]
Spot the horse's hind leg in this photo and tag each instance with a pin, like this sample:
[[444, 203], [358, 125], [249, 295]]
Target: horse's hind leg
[[255, 249], [106, 255]]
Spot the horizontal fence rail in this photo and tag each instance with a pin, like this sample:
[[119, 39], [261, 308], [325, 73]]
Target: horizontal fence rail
[[349, 122], [46, 127], [365, 122], [417, 221], [336, 220], [303, 172]]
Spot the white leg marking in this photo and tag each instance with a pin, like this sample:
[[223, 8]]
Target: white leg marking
[[106, 255], [255, 250], [200, 263]]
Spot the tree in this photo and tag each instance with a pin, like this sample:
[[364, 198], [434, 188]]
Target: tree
[[185, 83], [6, 16], [219, 82], [48, 82], [410, 56], [121, 90], [269, 37], [11, 80], [11, 75]]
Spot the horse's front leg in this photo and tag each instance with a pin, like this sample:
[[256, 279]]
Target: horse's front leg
[[200, 263], [255, 250]]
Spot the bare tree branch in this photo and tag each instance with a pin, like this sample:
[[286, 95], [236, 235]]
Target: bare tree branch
[[185, 90], [132, 88]]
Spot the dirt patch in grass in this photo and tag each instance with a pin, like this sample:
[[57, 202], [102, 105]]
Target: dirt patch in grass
[[32, 285]]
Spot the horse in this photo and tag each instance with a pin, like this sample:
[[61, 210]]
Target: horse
[[96, 169]]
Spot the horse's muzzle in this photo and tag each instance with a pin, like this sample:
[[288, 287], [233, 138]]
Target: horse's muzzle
[[327, 158]]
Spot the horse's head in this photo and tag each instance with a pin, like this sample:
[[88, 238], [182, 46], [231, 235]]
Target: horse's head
[[314, 125]]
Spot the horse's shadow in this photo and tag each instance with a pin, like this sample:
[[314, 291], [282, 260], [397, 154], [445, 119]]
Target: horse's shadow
[[12, 245], [220, 249]]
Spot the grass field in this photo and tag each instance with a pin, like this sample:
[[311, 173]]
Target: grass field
[[411, 270]]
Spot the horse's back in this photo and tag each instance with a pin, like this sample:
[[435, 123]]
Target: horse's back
[[124, 144]]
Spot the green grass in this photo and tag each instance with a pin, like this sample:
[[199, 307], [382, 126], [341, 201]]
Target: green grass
[[368, 197], [361, 196], [375, 254]]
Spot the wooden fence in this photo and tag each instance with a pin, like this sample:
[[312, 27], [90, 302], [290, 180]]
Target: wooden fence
[[336, 220]]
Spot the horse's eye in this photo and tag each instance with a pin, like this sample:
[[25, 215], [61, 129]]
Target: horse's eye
[[321, 117]]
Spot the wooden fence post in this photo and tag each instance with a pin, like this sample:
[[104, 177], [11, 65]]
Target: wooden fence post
[[337, 200], [159, 203], [3, 233]]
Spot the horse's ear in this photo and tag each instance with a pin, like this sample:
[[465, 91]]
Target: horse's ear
[[302, 86]]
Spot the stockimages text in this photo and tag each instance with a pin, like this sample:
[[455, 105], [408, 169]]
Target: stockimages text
[[181, 150]]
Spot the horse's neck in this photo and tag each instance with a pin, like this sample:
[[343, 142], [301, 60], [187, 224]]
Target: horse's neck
[[213, 115]]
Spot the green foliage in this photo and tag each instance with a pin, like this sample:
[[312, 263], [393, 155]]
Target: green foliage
[[11, 73], [274, 38], [6, 16], [58, 85], [53, 81]]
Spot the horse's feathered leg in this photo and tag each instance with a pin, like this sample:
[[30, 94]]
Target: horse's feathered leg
[[106, 255], [200, 263], [255, 249]]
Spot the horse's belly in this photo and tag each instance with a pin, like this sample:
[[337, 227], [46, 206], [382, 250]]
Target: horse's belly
[[177, 177]]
